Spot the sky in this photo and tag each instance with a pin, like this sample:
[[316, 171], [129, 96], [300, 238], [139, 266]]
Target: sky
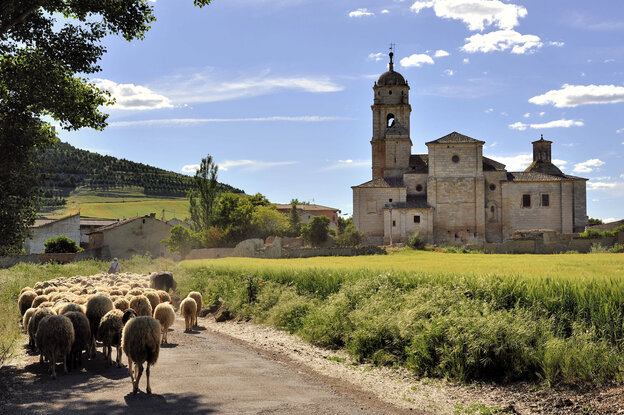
[[279, 91]]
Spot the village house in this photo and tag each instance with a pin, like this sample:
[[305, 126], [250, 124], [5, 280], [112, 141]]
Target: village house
[[453, 194], [307, 212], [44, 229], [128, 237]]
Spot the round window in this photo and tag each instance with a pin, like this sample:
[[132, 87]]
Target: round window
[[419, 188], [455, 159], [492, 187]]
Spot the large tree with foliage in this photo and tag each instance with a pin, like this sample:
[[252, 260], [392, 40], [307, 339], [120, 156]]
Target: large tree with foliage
[[47, 48], [203, 197]]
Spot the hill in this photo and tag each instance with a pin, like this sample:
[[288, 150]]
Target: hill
[[67, 168]]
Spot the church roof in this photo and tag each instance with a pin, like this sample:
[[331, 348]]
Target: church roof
[[383, 182], [540, 177], [455, 137], [419, 163], [492, 165], [390, 78], [413, 202], [542, 166]]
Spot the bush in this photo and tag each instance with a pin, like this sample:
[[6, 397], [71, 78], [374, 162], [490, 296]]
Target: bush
[[61, 244], [619, 229], [317, 230], [181, 240], [593, 233], [349, 237], [370, 250], [617, 249], [415, 242]]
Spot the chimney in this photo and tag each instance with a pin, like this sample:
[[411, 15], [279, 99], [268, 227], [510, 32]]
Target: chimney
[[153, 215], [541, 150]]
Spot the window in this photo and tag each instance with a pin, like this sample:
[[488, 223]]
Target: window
[[419, 188], [545, 200], [416, 219], [455, 158], [526, 201], [492, 187], [390, 120], [390, 92], [394, 223], [390, 200], [492, 209]]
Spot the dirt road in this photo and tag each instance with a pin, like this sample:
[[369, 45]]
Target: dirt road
[[202, 372]]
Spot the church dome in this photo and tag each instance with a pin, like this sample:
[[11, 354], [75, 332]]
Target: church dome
[[391, 78]]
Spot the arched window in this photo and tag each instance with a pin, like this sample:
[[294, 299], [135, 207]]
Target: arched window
[[390, 120]]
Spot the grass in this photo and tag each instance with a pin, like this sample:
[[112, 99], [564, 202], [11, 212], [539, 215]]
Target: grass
[[121, 203]]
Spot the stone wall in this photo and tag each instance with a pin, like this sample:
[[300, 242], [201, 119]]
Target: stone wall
[[546, 243], [210, 253], [368, 207]]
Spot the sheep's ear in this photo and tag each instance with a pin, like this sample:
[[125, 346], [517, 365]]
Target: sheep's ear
[[128, 315]]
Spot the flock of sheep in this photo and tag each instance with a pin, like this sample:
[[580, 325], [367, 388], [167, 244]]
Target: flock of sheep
[[65, 317]]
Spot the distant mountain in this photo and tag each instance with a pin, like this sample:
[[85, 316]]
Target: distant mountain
[[66, 167]]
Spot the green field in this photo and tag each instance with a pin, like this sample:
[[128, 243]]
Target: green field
[[554, 319], [121, 203]]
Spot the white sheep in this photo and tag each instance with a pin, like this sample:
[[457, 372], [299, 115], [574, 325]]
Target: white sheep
[[165, 315], [141, 343], [198, 299], [188, 309]]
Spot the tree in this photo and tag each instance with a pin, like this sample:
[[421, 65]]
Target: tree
[[233, 214], [267, 221], [317, 230], [181, 240], [593, 221], [347, 234], [61, 244], [43, 61], [203, 197], [294, 221]]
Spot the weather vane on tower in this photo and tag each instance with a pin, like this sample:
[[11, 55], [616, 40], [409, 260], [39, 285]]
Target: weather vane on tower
[[392, 46]]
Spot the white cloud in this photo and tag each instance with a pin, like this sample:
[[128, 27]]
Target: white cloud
[[190, 168], [551, 124], [609, 60], [575, 95], [441, 53], [253, 165], [556, 44], [209, 86], [620, 131], [186, 122], [489, 110], [348, 164], [449, 72], [417, 59], [527, 115], [466, 60], [376, 56], [385, 11], [541, 114], [587, 166], [502, 40], [360, 13], [600, 185], [477, 14], [521, 161], [133, 97], [608, 220]]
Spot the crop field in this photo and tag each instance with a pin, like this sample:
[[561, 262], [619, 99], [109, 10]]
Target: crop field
[[554, 319], [122, 203]]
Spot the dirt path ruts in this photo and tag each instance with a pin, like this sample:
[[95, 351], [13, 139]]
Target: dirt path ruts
[[198, 373]]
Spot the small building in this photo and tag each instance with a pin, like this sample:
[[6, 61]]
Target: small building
[[307, 212], [88, 225], [44, 229], [134, 236]]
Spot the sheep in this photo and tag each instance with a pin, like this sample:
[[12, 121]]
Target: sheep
[[46, 304], [25, 300], [82, 337], [23, 290], [188, 309], [50, 290], [141, 343], [135, 291], [165, 315], [141, 305], [109, 333], [33, 324], [55, 336], [71, 307], [198, 299], [39, 299], [27, 315], [162, 281], [97, 306], [122, 304], [153, 298], [164, 296]]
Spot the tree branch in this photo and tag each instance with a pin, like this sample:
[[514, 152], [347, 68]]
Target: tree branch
[[19, 19]]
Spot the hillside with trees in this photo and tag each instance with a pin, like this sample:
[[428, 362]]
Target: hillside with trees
[[66, 167]]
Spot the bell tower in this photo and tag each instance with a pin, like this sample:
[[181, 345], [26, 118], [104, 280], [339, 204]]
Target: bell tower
[[391, 143]]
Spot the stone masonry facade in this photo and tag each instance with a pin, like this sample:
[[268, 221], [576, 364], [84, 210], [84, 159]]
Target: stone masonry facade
[[453, 194]]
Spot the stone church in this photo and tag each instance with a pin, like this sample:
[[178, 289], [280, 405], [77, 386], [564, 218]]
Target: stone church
[[453, 194]]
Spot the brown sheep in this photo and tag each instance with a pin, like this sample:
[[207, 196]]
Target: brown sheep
[[97, 306], [55, 336], [122, 304], [33, 324], [164, 296], [25, 301], [153, 298], [40, 299], [162, 281], [165, 315], [109, 333], [141, 305], [141, 343], [82, 337], [188, 309]]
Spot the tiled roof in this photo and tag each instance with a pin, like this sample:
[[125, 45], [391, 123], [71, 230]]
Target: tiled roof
[[123, 222], [540, 177], [541, 166], [97, 222], [309, 208], [455, 137], [384, 182], [492, 165], [43, 222]]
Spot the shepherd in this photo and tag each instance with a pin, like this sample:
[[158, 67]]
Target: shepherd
[[114, 268]]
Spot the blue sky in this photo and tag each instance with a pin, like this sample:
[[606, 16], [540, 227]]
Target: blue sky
[[279, 91]]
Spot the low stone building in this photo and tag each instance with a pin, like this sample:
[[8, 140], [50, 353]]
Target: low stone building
[[134, 236], [44, 229], [453, 194], [307, 212], [88, 225]]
